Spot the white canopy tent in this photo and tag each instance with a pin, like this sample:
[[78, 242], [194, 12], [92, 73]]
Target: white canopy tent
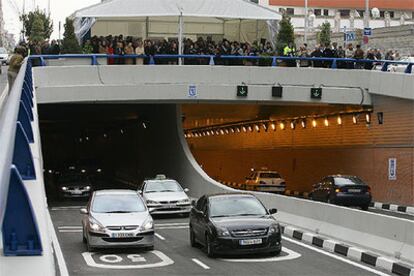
[[234, 19]]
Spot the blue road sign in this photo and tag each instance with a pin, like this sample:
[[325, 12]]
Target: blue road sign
[[349, 36], [368, 31]]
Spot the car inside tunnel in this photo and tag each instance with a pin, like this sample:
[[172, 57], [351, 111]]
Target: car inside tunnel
[[120, 145]]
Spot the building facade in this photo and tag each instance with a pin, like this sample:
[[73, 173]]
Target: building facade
[[344, 14]]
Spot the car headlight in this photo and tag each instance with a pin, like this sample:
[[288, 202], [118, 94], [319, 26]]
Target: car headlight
[[184, 202], [223, 232], [95, 226], [87, 188], [152, 202], [274, 229], [99, 170], [147, 225], [64, 188]]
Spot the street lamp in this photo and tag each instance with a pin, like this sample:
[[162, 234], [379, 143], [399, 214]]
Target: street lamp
[[306, 22], [366, 14]]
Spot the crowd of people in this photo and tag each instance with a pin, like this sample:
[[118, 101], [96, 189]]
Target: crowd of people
[[121, 45]]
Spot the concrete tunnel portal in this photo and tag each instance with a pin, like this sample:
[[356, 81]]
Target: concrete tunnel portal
[[131, 142]]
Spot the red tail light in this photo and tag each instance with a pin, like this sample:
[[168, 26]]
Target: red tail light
[[368, 189]]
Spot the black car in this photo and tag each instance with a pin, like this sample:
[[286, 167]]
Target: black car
[[74, 185], [343, 190], [234, 223]]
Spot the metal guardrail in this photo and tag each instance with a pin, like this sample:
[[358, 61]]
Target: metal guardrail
[[19, 228], [212, 59]]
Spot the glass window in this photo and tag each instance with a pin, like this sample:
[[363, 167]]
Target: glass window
[[326, 12], [351, 180], [344, 13], [382, 14], [392, 15], [269, 175], [290, 11], [226, 206], [162, 186], [200, 203], [117, 203], [317, 12]]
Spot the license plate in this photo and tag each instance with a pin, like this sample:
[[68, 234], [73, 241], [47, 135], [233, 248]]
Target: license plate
[[250, 242], [354, 190], [77, 192], [122, 235]]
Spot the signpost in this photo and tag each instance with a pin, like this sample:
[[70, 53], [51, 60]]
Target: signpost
[[349, 36], [242, 90], [316, 93], [392, 168]]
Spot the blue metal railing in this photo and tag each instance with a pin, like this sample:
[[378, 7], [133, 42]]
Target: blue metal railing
[[19, 228], [213, 59]]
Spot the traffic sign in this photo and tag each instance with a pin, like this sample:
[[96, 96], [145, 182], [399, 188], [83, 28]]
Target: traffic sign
[[192, 91], [368, 31], [316, 93], [242, 90], [277, 91], [349, 36]]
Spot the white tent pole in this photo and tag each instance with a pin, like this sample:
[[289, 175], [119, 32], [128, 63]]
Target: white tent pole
[[180, 37], [146, 27]]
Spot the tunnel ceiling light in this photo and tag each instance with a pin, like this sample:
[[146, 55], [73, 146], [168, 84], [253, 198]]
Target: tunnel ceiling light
[[87, 138], [221, 131], [232, 130], [105, 135], [80, 140], [217, 132], [368, 118], [144, 125], [354, 119], [238, 129], [282, 125], [314, 123], [208, 133], [303, 123], [265, 127], [292, 124], [339, 120], [326, 121], [122, 131], [250, 128], [226, 131], [273, 126], [257, 128], [244, 128]]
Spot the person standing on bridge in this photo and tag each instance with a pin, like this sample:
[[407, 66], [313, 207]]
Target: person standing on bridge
[[15, 63]]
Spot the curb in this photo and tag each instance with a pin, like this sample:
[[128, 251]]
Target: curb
[[393, 207], [351, 252]]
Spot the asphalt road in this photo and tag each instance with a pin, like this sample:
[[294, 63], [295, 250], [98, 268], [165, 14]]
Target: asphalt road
[[3, 78], [173, 254]]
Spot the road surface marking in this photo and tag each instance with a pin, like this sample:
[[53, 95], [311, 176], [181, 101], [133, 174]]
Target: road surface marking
[[203, 265], [159, 236], [165, 261], [70, 231], [112, 259], [173, 227], [69, 227], [291, 255], [66, 208], [337, 257], [58, 251]]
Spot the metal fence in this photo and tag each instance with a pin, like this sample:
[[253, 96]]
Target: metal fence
[[19, 228], [272, 61]]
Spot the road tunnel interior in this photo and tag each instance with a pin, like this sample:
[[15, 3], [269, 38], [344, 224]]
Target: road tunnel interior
[[119, 145]]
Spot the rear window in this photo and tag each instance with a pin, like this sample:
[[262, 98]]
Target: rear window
[[340, 181], [269, 175]]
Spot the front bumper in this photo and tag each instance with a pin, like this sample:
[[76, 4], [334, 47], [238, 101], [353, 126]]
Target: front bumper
[[71, 194], [105, 241], [169, 209], [231, 245], [271, 188]]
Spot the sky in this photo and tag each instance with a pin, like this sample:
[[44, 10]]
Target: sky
[[59, 10]]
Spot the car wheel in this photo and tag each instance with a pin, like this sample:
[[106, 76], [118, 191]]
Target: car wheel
[[277, 252], [149, 248], [209, 247], [192, 238], [365, 207], [83, 237]]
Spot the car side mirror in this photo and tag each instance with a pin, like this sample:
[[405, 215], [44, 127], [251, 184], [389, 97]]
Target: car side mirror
[[193, 203], [140, 192], [83, 211], [186, 190], [273, 211]]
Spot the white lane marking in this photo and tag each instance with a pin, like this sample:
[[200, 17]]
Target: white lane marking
[[337, 257], [203, 265], [165, 261], [173, 227], [70, 231], [171, 224], [66, 208], [291, 255], [159, 236], [112, 259], [136, 258], [69, 227], [56, 246]]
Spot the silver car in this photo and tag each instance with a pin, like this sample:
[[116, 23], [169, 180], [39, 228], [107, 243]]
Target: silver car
[[117, 218], [165, 196]]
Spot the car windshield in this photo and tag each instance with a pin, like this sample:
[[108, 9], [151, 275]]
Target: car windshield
[[3, 51], [229, 206], [117, 203], [68, 178], [162, 186], [269, 175], [340, 181]]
